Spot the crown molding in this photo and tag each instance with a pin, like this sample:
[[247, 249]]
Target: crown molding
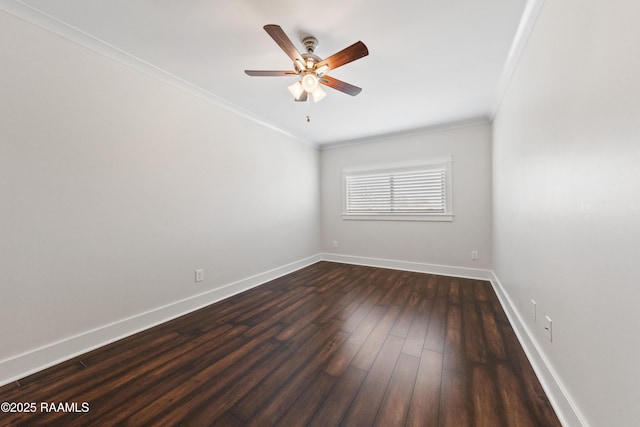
[[41, 19], [442, 127], [527, 22], [49, 23]]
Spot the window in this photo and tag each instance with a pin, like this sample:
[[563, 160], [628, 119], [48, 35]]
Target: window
[[417, 192]]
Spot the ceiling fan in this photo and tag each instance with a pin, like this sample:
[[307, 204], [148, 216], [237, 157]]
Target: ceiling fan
[[310, 68]]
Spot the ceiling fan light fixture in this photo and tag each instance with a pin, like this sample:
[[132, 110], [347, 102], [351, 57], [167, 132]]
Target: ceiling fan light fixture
[[321, 70], [299, 65], [310, 82], [318, 94], [296, 90]]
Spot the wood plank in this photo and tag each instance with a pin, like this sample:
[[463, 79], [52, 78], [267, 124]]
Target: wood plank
[[304, 315], [374, 342], [217, 374], [406, 290], [432, 286], [216, 406], [356, 288], [484, 395], [339, 400], [276, 312], [302, 410], [454, 291], [338, 364], [414, 341], [437, 326], [358, 309], [404, 320], [467, 290], [425, 401], [168, 409], [395, 403], [480, 291], [61, 379], [474, 342], [454, 400], [129, 385], [454, 353], [365, 405], [500, 315], [280, 402], [444, 284], [515, 408], [495, 343], [530, 385], [394, 285], [251, 402]]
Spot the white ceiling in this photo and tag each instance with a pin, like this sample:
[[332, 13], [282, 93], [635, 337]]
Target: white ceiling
[[430, 63]]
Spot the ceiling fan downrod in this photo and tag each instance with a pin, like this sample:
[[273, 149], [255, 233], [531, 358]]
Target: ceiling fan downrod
[[310, 43]]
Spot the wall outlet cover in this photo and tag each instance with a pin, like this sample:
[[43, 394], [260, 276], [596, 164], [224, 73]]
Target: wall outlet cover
[[549, 328]]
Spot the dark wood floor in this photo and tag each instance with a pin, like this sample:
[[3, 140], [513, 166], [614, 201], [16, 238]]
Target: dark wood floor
[[331, 344]]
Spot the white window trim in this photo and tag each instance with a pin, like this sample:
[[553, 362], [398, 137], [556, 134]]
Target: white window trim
[[447, 162]]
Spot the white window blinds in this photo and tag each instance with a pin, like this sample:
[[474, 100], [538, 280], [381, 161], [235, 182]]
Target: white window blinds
[[411, 192]]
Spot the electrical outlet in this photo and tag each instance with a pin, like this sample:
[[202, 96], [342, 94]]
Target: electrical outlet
[[335, 243], [533, 310], [549, 328], [199, 275], [474, 255]]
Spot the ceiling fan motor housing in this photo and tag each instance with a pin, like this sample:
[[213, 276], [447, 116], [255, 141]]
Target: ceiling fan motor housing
[[310, 60]]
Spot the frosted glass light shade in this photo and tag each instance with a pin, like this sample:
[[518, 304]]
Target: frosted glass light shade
[[296, 90], [318, 94], [309, 82]]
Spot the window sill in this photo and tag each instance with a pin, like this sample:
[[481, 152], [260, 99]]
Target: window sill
[[373, 217]]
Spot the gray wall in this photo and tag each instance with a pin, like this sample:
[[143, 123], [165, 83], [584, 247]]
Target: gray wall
[[115, 187], [566, 187], [442, 243]]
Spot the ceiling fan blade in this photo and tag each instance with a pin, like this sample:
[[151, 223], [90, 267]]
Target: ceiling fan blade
[[279, 36], [269, 73], [303, 97], [347, 88], [346, 55]]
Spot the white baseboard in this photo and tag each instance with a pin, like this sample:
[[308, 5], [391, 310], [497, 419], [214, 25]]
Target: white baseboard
[[24, 364], [560, 399], [444, 270], [565, 408], [41, 358]]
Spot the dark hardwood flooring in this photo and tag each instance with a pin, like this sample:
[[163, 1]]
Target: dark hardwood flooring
[[331, 344]]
